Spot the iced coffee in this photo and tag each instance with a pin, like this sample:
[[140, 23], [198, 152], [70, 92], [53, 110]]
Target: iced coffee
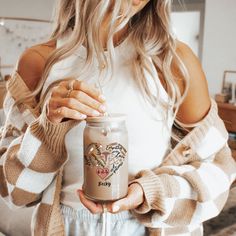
[[106, 158]]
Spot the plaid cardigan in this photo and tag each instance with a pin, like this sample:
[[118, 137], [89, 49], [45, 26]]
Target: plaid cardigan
[[188, 188]]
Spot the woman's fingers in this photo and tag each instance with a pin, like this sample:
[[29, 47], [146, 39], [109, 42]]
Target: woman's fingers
[[123, 204], [80, 107], [75, 100], [84, 87], [59, 91], [56, 115], [82, 97], [89, 89], [133, 199], [74, 104], [94, 208], [70, 113], [89, 101]]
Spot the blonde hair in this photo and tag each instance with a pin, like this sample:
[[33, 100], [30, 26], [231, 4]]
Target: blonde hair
[[149, 30]]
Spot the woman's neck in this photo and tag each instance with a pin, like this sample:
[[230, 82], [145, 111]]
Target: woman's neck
[[118, 37]]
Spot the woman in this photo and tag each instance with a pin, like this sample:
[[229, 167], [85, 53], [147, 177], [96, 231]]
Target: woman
[[115, 56]]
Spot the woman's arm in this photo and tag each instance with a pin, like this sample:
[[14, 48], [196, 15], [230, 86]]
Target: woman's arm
[[32, 148], [33, 156], [198, 173], [192, 184], [197, 102], [32, 62]]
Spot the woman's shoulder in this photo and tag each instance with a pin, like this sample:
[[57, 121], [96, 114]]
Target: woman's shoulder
[[32, 62], [197, 101], [188, 57]]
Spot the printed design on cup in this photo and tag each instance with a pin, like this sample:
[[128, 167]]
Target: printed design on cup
[[102, 172], [106, 159]]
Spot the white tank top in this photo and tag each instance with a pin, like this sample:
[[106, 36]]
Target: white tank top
[[149, 135]]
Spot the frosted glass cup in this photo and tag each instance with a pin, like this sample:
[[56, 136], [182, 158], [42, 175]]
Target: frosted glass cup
[[106, 158]]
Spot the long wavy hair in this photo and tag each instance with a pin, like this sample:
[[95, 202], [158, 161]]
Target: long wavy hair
[[149, 30]]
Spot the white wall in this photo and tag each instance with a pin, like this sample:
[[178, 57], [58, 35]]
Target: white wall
[[187, 28], [219, 45], [16, 36], [191, 6], [41, 9]]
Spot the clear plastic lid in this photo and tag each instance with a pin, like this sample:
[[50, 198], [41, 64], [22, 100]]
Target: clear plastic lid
[[113, 117]]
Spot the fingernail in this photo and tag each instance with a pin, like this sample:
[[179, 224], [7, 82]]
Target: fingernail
[[115, 208], [96, 113], [102, 97], [82, 116], [103, 108]]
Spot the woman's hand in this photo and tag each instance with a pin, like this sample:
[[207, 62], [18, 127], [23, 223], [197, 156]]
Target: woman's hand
[[134, 198], [73, 99]]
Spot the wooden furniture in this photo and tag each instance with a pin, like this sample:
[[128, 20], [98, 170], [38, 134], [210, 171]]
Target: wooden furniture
[[2, 92], [234, 154], [227, 112]]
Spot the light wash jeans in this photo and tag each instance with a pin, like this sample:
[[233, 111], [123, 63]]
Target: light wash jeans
[[83, 223]]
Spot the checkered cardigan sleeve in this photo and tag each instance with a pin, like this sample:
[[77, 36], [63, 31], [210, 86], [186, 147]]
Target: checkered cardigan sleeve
[[32, 149], [192, 184]]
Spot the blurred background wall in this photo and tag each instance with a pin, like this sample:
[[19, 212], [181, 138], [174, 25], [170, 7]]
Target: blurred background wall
[[219, 44], [207, 26]]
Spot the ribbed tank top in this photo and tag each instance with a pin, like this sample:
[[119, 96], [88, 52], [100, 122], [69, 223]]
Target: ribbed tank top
[[149, 134]]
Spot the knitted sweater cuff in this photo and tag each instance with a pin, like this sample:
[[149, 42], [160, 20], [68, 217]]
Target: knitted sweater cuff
[[154, 192], [53, 134]]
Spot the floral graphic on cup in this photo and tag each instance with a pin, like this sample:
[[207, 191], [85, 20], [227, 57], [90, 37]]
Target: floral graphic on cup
[[106, 159]]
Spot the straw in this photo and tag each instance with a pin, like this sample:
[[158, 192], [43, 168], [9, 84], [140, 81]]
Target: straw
[[98, 84]]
